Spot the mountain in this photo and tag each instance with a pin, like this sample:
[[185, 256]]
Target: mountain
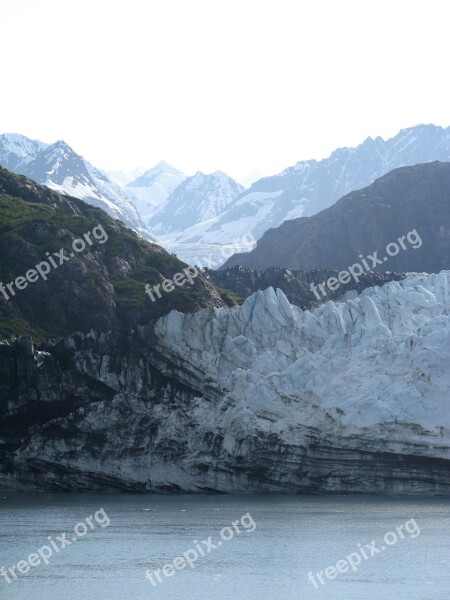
[[196, 199], [350, 397], [366, 221], [313, 185], [152, 188], [57, 166], [101, 288]]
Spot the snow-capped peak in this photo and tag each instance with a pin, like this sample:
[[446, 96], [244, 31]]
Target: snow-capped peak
[[197, 199], [152, 188]]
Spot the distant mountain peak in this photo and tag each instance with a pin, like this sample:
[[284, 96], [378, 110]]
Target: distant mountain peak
[[152, 188], [149, 177], [163, 166], [221, 175], [61, 149], [16, 150], [61, 144]]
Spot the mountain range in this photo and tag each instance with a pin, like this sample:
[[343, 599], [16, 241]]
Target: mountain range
[[125, 394], [197, 217]]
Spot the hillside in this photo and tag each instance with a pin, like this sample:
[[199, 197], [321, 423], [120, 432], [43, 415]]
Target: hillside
[[100, 288]]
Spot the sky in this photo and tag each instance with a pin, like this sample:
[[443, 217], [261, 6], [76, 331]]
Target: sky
[[248, 87]]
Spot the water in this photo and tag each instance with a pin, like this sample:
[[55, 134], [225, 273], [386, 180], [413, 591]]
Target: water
[[293, 535]]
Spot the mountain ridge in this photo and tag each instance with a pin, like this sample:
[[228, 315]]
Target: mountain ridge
[[308, 187]]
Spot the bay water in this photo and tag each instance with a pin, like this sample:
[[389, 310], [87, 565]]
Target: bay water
[[248, 547]]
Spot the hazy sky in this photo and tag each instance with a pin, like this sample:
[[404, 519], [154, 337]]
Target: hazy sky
[[236, 85]]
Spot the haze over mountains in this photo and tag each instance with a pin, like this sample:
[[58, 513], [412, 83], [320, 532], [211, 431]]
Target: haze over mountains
[[197, 199], [197, 217]]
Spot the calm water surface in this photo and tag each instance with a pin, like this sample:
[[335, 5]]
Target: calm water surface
[[293, 535]]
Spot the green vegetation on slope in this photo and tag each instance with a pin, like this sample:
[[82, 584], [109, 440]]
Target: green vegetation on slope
[[101, 287]]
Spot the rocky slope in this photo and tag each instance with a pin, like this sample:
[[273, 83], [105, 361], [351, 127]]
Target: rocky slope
[[350, 397], [366, 221]]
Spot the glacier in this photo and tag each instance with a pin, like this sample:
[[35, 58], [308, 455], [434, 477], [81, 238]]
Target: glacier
[[352, 396]]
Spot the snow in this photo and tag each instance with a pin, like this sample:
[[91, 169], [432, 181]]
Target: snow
[[194, 215], [17, 150]]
